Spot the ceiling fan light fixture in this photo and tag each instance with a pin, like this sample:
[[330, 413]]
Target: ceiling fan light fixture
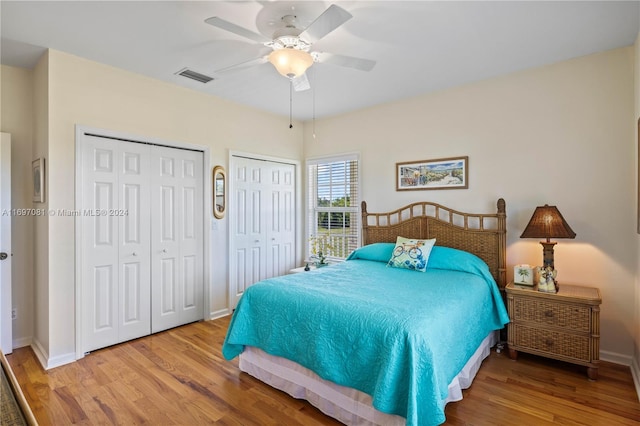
[[291, 63], [289, 42]]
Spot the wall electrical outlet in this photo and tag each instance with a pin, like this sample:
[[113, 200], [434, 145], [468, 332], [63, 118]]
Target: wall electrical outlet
[[14, 313]]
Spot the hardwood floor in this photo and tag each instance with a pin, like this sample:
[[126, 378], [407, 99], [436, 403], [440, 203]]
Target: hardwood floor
[[180, 377]]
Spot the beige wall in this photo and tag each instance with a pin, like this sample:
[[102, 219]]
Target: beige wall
[[560, 134], [17, 119]]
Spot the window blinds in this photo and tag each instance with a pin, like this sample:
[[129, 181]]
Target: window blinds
[[333, 223]]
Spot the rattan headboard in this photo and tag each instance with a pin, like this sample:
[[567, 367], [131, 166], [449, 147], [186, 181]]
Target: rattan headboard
[[484, 235]]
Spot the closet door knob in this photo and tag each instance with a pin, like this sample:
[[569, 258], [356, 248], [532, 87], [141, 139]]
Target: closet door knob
[[164, 250], [3, 256], [134, 253]]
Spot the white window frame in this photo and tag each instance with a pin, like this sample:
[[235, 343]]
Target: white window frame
[[312, 208]]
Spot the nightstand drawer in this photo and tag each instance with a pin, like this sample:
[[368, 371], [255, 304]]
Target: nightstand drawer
[[552, 342], [568, 317]]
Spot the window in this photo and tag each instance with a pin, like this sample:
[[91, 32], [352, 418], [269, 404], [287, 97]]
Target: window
[[333, 224]]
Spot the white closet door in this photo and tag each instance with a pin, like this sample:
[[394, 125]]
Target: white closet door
[[115, 281], [134, 242], [176, 237], [248, 226], [262, 228], [281, 232]]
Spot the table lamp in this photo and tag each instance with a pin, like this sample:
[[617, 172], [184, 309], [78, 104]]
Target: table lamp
[[547, 222]]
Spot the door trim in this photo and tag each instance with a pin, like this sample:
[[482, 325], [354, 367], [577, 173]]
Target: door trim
[[231, 203], [6, 305], [80, 131]]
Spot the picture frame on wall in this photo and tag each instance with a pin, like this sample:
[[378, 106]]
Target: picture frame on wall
[[441, 173], [37, 169]]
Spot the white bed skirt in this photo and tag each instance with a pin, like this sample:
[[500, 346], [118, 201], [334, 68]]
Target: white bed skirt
[[347, 405]]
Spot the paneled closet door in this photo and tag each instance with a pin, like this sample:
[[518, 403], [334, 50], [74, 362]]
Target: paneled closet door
[[263, 222], [248, 231], [281, 229], [176, 237], [135, 241], [115, 245]]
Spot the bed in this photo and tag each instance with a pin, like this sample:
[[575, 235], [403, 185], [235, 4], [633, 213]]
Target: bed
[[371, 344]]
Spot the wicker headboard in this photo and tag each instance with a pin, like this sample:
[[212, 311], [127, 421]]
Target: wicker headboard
[[484, 235]]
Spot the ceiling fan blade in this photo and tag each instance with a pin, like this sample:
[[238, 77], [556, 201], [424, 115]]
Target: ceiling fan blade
[[330, 19], [347, 61], [242, 65], [301, 83], [236, 29]]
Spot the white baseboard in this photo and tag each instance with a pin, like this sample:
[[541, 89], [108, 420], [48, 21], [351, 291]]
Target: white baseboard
[[41, 354], [49, 362], [219, 313], [616, 358], [633, 362], [61, 360], [21, 342]]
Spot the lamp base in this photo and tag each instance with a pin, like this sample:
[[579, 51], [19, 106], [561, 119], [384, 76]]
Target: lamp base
[[547, 253]]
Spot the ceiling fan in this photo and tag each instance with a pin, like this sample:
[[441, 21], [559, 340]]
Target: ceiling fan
[[291, 53]]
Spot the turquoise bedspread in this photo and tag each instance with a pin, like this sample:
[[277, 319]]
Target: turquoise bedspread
[[395, 334]]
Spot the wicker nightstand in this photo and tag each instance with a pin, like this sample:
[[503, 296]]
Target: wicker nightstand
[[563, 326]]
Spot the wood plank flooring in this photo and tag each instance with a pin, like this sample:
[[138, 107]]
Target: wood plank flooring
[[179, 377]]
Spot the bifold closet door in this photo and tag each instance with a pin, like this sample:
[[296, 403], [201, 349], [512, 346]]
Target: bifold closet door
[[116, 242], [176, 237], [281, 229], [142, 239], [263, 223]]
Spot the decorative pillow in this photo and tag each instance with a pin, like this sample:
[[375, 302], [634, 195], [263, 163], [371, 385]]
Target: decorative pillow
[[411, 254], [379, 252]]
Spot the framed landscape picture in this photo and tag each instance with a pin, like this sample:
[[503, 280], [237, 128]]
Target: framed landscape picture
[[442, 173]]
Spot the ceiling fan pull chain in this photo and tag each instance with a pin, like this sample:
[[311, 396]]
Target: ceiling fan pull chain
[[290, 102], [313, 94]]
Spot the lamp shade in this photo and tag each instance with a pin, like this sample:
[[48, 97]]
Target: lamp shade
[[547, 222], [290, 62]]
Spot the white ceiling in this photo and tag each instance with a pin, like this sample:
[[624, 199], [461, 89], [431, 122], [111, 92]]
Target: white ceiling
[[419, 46]]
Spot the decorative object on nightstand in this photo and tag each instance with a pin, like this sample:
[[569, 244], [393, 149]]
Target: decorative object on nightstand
[[563, 326], [547, 279], [547, 222], [306, 268], [523, 275]]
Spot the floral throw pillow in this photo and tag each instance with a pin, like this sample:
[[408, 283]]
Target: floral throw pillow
[[411, 254]]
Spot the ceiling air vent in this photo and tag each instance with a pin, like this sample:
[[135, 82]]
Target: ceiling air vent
[[186, 72]]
